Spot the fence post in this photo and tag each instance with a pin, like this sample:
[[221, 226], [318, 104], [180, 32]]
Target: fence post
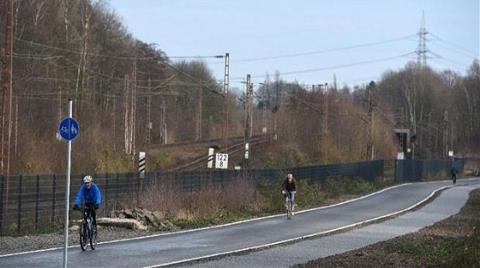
[[129, 186], [106, 195], [37, 200], [137, 187], [19, 207], [191, 178], [395, 178], [2, 179], [54, 197], [117, 188], [383, 168]]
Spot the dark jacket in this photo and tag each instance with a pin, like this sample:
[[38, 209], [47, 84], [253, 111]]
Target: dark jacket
[[289, 186]]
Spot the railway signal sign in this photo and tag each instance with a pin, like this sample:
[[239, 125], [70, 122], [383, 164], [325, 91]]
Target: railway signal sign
[[221, 161]]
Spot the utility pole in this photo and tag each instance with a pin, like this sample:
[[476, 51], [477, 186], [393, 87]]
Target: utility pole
[[445, 134], [334, 82], [246, 107], [114, 115], [250, 110], [276, 108], [134, 107], [198, 125], [163, 123], [148, 136], [126, 85], [7, 90], [226, 81], [370, 146], [16, 127], [264, 109], [325, 122]]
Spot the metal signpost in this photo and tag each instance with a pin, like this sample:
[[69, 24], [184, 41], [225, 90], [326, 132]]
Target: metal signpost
[[68, 129]]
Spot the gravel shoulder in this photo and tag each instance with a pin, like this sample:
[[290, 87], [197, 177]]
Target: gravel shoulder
[[10, 244]]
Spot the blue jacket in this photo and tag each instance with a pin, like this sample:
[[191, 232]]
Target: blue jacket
[[92, 195]]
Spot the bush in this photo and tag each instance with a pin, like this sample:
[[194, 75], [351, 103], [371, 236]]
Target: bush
[[202, 205], [309, 194]]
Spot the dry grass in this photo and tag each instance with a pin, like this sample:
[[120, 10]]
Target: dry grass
[[210, 199]]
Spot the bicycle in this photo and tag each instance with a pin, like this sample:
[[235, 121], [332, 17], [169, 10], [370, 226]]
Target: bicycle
[[289, 204], [88, 231]]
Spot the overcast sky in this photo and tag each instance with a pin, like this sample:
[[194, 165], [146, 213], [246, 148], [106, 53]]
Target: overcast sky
[[362, 38]]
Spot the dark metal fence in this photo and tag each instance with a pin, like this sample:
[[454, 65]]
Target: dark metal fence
[[36, 203], [416, 170]]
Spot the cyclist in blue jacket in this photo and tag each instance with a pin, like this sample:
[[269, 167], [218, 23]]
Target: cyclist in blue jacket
[[90, 194]]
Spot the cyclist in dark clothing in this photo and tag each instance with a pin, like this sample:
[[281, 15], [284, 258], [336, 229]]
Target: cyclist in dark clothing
[[454, 171], [289, 187]]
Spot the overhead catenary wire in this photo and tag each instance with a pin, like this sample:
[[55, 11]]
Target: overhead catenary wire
[[208, 84], [31, 42], [308, 53], [332, 67]]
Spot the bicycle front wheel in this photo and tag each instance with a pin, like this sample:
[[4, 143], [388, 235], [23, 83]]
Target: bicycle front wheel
[[93, 238], [289, 209]]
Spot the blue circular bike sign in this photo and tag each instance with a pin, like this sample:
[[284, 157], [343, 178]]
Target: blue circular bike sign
[[69, 128]]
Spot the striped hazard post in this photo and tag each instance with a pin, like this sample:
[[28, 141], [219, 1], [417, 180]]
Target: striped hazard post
[[211, 157], [141, 164]]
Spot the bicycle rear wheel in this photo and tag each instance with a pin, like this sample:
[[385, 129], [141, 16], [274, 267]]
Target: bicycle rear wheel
[[83, 237]]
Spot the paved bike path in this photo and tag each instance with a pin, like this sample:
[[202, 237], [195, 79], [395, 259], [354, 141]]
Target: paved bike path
[[176, 247], [447, 204]]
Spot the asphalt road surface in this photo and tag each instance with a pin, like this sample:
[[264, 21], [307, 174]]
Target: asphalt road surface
[[177, 248], [447, 204]]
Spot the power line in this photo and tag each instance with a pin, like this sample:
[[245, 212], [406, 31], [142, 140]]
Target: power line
[[452, 49], [31, 42], [453, 44], [324, 51], [207, 86], [451, 61], [197, 57], [332, 67], [191, 77], [35, 57], [440, 57]]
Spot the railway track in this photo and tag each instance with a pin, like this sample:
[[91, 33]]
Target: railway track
[[233, 149], [208, 141]]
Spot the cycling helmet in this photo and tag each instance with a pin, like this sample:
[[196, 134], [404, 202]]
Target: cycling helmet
[[87, 179]]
